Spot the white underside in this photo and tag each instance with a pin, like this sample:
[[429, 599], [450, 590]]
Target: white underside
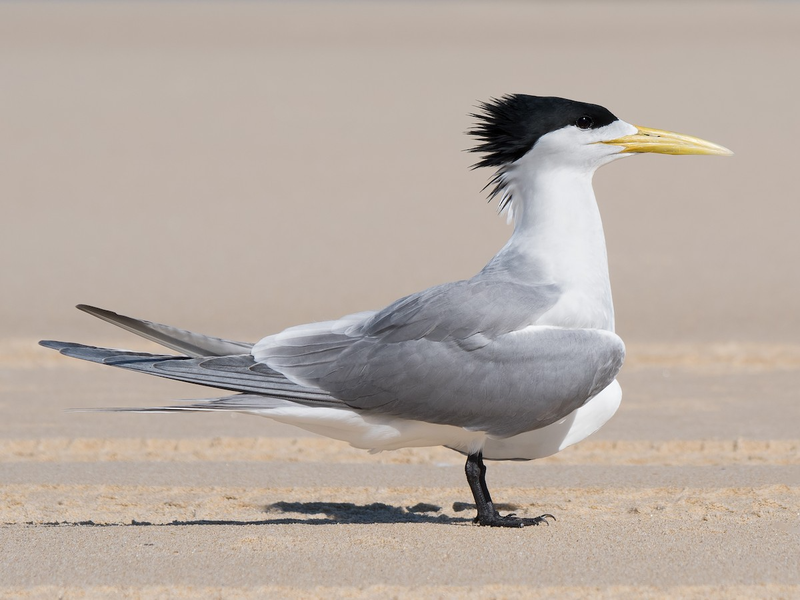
[[378, 433]]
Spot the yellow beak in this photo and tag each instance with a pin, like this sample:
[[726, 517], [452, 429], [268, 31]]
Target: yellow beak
[[666, 142]]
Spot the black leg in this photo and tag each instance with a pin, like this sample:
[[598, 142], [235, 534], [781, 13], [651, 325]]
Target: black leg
[[487, 515]]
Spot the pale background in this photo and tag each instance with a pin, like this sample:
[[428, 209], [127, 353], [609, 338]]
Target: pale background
[[247, 166], [238, 167]]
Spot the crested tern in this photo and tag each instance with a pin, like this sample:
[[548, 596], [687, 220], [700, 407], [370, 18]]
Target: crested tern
[[516, 363]]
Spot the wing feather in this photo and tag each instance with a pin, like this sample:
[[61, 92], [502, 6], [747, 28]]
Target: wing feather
[[180, 340], [464, 354], [235, 373]]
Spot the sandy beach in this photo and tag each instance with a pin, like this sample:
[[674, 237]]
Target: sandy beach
[[237, 168]]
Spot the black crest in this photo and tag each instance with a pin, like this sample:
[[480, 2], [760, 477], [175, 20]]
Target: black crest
[[508, 127]]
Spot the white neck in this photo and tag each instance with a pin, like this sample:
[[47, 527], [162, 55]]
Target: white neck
[[559, 234]]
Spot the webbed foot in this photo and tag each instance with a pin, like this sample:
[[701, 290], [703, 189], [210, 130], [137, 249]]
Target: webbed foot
[[496, 520]]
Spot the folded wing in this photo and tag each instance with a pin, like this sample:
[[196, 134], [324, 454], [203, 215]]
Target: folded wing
[[463, 354]]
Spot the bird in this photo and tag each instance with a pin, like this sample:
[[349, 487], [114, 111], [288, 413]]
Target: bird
[[516, 363]]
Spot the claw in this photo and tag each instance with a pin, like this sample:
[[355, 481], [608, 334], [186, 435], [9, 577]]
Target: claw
[[487, 511], [512, 520]]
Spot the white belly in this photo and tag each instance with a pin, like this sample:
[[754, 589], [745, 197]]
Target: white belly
[[377, 433], [573, 428]]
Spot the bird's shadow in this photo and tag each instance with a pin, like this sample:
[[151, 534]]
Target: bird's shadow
[[314, 513]]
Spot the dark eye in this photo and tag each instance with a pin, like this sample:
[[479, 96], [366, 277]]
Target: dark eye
[[584, 122]]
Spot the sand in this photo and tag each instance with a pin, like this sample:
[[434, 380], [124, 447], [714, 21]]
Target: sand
[[236, 168]]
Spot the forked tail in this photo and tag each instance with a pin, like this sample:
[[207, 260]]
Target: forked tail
[[205, 360]]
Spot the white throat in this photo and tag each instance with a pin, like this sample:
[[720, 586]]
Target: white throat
[[557, 226]]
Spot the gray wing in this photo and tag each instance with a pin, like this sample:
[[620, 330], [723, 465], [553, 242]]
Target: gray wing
[[180, 340], [462, 354], [462, 309], [238, 373], [235, 403]]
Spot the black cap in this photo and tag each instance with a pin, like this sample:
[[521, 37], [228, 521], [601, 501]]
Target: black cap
[[508, 127]]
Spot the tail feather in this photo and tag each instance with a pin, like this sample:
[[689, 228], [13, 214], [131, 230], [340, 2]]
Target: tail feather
[[237, 373], [236, 403], [180, 340]]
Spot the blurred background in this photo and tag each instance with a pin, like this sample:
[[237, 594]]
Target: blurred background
[[235, 168], [239, 167]]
